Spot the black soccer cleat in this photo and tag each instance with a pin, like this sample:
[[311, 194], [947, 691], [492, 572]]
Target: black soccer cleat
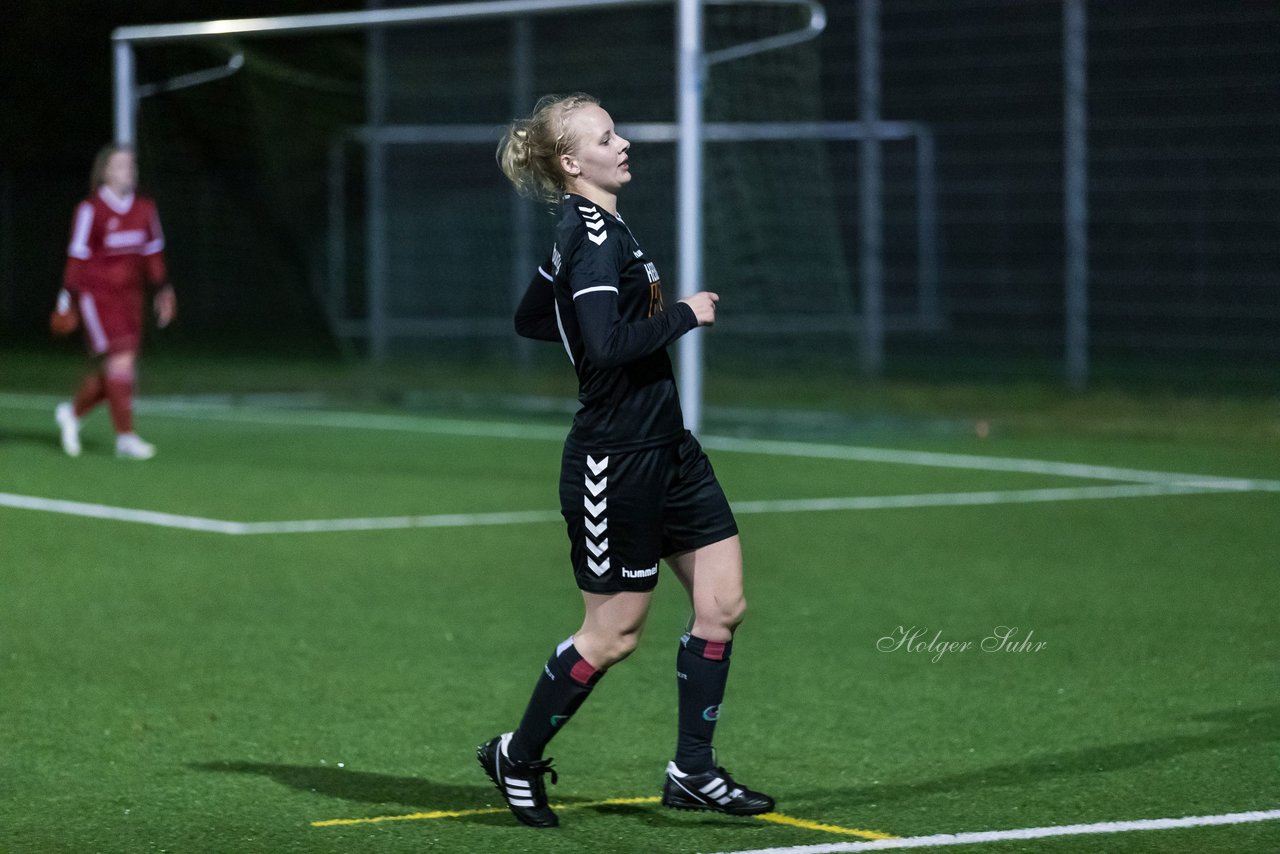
[[520, 782], [712, 790]]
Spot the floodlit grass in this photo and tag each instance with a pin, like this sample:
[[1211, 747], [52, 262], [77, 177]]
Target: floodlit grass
[[174, 690]]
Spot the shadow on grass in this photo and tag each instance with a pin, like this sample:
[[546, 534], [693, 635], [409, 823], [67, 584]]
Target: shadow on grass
[[425, 795], [363, 786], [655, 815], [1235, 728], [44, 440]]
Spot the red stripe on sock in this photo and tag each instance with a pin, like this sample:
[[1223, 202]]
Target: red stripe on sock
[[714, 651], [582, 672]]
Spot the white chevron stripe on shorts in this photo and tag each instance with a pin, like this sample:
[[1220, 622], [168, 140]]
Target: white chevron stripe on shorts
[[597, 526]]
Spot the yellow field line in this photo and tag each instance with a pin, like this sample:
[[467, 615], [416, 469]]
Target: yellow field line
[[419, 816], [774, 817], [779, 818]]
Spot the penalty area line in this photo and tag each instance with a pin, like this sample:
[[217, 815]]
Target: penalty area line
[[525, 517], [979, 837], [969, 499], [303, 526], [227, 411]]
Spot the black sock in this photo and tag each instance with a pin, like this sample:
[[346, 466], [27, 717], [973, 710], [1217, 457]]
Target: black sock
[[702, 668], [566, 680]]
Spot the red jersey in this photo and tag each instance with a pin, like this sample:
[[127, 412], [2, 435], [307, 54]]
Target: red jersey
[[116, 246]]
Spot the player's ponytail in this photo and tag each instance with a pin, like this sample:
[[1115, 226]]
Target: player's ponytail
[[529, 153]]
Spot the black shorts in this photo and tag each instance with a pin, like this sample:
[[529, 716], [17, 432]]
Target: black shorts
[[626, 511]]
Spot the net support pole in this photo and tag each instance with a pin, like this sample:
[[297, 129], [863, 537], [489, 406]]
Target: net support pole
[[124, 93], [522, 250], [691, 71], [930, 301], [1075, 194], [376, 273], [870, 192]]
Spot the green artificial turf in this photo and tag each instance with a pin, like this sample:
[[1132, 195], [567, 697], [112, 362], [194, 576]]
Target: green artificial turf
[[174, 690]]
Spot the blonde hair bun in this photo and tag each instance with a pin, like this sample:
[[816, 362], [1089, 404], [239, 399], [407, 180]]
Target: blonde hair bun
[[530, 149]]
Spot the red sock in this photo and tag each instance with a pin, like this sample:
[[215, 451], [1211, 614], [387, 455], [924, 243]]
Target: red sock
[[92, 392], [120, 400]]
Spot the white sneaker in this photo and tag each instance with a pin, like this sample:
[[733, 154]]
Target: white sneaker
[[129, 446], [65, 415]]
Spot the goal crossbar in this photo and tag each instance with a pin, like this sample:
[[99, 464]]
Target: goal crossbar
[[446, 13], [127, 91]]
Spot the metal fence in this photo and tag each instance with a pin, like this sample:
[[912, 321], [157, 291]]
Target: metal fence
[[928, 183]]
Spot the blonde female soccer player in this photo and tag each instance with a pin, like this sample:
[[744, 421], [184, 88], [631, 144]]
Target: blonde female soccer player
[[635, 486], [115, 257]]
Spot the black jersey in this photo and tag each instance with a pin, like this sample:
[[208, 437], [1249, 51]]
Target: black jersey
[[602, 298]]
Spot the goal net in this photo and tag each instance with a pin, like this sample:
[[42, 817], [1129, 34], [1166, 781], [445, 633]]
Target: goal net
[[341, 185]]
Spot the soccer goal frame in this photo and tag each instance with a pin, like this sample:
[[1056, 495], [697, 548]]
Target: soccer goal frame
[[688, 133]]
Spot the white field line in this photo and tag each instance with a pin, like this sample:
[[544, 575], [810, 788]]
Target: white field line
[[1140, 483], [466, 520], [967, 499], [305, 526], [221, 411], [945, 839], [213, 410], [118, 514], [216, 410], [387, 523], [981, 463]]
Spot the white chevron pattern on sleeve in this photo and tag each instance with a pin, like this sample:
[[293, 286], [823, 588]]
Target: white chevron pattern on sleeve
[[594, 221]]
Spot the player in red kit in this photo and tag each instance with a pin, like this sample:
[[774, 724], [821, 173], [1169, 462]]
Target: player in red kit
[[115, 259]]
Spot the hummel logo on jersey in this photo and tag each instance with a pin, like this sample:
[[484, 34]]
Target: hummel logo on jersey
[[639, 573], [639, 253]]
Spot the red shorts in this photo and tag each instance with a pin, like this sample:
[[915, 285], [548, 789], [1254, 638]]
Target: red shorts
[[111, 324]]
